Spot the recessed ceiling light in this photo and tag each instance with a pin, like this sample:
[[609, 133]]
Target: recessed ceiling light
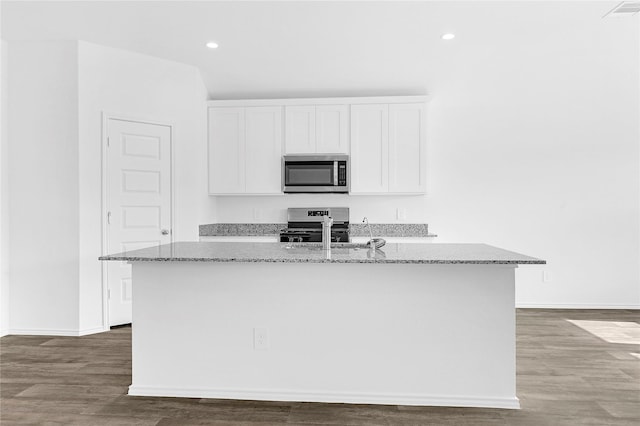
[[212, 45], [448, 36]]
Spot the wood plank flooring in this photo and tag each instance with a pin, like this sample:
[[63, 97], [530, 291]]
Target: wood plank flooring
[[574, 368]]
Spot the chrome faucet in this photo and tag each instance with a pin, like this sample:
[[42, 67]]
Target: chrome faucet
[[327, 221], [370, 242]]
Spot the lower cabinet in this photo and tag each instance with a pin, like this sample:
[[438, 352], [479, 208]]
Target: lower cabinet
[[245, 150]]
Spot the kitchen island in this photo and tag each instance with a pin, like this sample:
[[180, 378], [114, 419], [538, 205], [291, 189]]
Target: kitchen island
[[410, 324]]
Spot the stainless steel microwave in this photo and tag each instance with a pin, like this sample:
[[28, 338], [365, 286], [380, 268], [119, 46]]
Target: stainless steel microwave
[[315, 173]]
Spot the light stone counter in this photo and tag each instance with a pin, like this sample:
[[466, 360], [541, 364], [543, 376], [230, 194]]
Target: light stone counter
[[292, 253], [240, 229], [409, 230], [406, 230]]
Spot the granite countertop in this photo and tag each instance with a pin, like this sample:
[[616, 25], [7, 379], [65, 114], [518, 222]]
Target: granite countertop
[[290, 253], [390, 230], [240, 229], [356, 229]]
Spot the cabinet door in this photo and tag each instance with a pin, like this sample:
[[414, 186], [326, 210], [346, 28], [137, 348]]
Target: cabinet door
[[369, 148], [332, 124], [226, 150], [263, 150], [300, 129], [407, 159]]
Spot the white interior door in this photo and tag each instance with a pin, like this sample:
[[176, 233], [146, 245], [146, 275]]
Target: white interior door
[[138, 201]]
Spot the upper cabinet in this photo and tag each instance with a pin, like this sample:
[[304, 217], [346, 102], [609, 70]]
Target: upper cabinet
[[245, 150], [300, 129], [316, 129], [384, 137], [226, 150], [263, 150], [407, 146], [369, 148], [388, 148]]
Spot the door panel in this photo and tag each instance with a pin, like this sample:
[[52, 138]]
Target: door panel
[[263, 148], [406, 148], [300, 129], [141, 181], [226, 150], [138, 201], [332, 135], [369, 148]]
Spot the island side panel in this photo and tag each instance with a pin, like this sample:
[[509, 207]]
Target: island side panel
[[414, 334]]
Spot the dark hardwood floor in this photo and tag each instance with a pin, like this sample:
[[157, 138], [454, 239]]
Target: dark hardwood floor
[[574, 368]]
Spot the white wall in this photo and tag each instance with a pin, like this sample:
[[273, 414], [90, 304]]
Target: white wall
[[267, 209], [4, 193], [533, 145], [55, 167], [535, 148], [43, 194], [135, 86]]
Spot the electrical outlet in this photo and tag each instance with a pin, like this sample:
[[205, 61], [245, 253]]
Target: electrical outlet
[[256, 214], [546, 276], [260, 338], [401, 214]]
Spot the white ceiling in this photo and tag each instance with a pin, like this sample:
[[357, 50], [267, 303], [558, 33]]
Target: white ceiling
[[288, 49]]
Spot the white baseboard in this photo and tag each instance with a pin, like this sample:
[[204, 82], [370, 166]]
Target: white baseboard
[[55, 332], [4, 332], [573, 306], [93, 330], [337, 397]]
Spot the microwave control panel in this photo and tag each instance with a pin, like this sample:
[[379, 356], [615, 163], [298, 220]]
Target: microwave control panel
[[342, 173]]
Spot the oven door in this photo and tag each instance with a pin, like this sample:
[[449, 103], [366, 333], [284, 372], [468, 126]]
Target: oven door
[[311, 175]]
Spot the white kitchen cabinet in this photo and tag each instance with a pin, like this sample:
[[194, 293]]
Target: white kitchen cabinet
[[388, 148], [332, 129], [383, 136], [369, 148], [245, 149], [226, 150], [407, 159], [316, 129], [263, 150], [300, 129]]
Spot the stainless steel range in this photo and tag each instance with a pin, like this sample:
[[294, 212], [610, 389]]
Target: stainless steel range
[[305, 224]]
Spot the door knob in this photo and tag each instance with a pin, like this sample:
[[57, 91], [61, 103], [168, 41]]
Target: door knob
[[165, 232]]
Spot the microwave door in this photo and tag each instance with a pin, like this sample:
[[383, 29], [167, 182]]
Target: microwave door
[[310, 174], [305, 173]]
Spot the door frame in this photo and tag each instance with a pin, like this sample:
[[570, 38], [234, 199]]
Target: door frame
[[103, 187]]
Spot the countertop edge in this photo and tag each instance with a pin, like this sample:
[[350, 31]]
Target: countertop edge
[[269, 260]]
